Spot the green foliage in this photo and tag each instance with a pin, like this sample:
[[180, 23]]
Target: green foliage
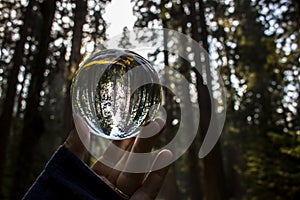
[[267, 120]]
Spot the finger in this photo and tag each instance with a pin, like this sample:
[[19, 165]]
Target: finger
[[115, 173], [155, 179], [75, 142], [110, 158], [148, 136], [141, 145], [113, 155]]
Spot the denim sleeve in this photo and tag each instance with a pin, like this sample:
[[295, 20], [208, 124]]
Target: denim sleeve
[[67, 177]]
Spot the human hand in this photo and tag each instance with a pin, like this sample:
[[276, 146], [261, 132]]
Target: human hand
[[129, 185]]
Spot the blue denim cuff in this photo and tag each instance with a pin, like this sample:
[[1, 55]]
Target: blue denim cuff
[[67, 177]]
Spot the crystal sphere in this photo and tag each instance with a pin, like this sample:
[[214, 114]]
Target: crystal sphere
[[116, 92]]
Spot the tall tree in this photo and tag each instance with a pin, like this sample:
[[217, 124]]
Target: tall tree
[[33, 122], [125, 39], [9, 101], [214, 179], [188, 17], [259, 128], [79, 20]]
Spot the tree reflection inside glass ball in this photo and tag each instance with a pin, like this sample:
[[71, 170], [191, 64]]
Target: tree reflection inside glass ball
[[116, 92]]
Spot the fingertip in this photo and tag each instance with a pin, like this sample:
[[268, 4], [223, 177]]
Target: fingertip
[[166, 153], [163, 159], [155, 178]]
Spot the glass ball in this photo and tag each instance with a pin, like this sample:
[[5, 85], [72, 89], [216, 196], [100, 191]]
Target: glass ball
[[116, 92]]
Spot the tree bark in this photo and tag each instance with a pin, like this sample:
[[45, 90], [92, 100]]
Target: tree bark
[[6, 116], [171, 188], [214, 179], [196, 192], [33, 122], [79, 20], [194, 168]]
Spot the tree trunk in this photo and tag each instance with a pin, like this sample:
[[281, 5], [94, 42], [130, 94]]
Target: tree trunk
[[214, 179], [195, 191], [33, 122], [79, 20], [171, 188], [194, 168], [6, 116]]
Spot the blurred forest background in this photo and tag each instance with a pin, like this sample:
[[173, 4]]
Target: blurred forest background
[[255, 45]]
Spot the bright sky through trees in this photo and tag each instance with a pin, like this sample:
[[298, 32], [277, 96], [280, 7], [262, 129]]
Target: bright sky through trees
[[119, 14]]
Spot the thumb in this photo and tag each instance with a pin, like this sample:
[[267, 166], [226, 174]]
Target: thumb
[[78, 138]]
